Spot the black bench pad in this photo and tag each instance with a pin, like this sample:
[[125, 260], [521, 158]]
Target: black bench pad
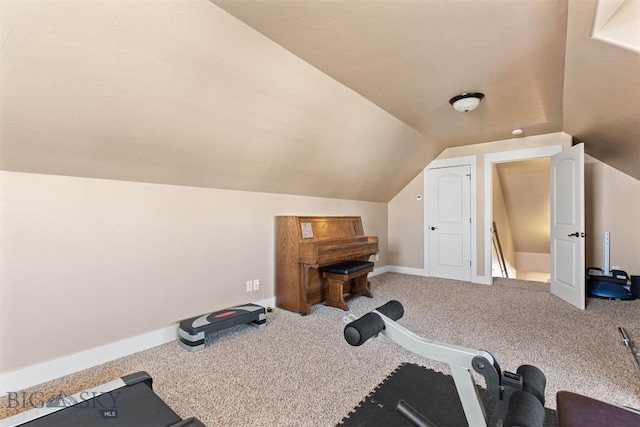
[[347, 267], [578, 410]]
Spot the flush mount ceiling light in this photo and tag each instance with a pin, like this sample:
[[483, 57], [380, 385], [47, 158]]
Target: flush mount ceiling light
[[467, 101]]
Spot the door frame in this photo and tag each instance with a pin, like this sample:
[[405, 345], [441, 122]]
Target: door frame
[[446, 163], [489, 161]]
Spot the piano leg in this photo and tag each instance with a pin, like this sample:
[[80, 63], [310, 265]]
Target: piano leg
[[305, 305]]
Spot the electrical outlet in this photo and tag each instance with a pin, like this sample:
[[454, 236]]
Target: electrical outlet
[[249, 285], [256, 284]]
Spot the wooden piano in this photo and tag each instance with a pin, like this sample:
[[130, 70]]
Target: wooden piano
[[307, 244]]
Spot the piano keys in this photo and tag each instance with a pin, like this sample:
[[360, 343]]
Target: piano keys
[[304, 244]]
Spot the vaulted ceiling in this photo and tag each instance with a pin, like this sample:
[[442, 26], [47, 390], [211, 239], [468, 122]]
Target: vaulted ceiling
[[411, 57], [535, 60], [330, 98]]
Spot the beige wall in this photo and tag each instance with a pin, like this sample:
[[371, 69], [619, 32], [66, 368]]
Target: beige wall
[[612, 203], [406, 219], [87, 262], [533, 262]]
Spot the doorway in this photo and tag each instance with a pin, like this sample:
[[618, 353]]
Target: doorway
[[496, 159], [520, 223], [566, 217]]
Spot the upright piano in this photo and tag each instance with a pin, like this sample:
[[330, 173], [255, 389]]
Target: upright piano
[[307, 243]]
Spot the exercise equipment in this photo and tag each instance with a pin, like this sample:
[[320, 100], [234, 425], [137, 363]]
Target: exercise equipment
[[192, 332], [522, 392], [608, 284], [635, 286], [576, 410], [125, 402], [613, 286], [629, 344], [428, 394]]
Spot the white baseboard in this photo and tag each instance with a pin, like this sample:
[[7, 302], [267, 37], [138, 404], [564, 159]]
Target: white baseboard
[[51, 370], [407, 270], [397, 269], [47, 371], [482, 280], [379, 270]]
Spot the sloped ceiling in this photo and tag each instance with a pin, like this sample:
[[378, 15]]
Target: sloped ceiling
[[602, 90], [344, 99], [411, 57], [180, 92]]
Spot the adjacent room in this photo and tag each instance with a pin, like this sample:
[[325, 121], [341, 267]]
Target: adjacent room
[[205, 200]]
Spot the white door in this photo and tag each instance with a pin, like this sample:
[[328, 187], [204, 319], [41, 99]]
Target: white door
[[567, 226], [449, 226]]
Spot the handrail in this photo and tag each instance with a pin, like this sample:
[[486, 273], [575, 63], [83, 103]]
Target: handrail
[[498, 247]]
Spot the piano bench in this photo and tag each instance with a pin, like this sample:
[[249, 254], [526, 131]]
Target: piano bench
[[337, 275]]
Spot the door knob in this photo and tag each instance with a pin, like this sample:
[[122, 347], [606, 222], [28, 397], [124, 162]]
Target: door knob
[[434, 228], [576, 234]]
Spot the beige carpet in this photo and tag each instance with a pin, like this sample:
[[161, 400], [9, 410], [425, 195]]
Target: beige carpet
[[299, 371]]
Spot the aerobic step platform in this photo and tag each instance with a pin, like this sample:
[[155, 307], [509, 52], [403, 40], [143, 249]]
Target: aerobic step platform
[[192, 332]]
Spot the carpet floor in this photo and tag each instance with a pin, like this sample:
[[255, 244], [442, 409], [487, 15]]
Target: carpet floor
[[299, 371]]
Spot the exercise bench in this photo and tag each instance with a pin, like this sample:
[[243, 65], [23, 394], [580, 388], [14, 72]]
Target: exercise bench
[[337, 275], [521, 393]]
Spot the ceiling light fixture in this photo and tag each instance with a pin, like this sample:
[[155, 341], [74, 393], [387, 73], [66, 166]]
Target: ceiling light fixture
[[467, 101]]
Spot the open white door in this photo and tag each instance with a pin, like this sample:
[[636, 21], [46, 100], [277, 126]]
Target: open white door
[[567, 226], [449, 227]]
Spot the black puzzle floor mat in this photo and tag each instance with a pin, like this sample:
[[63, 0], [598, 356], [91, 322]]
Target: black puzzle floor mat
[[431, 393]]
